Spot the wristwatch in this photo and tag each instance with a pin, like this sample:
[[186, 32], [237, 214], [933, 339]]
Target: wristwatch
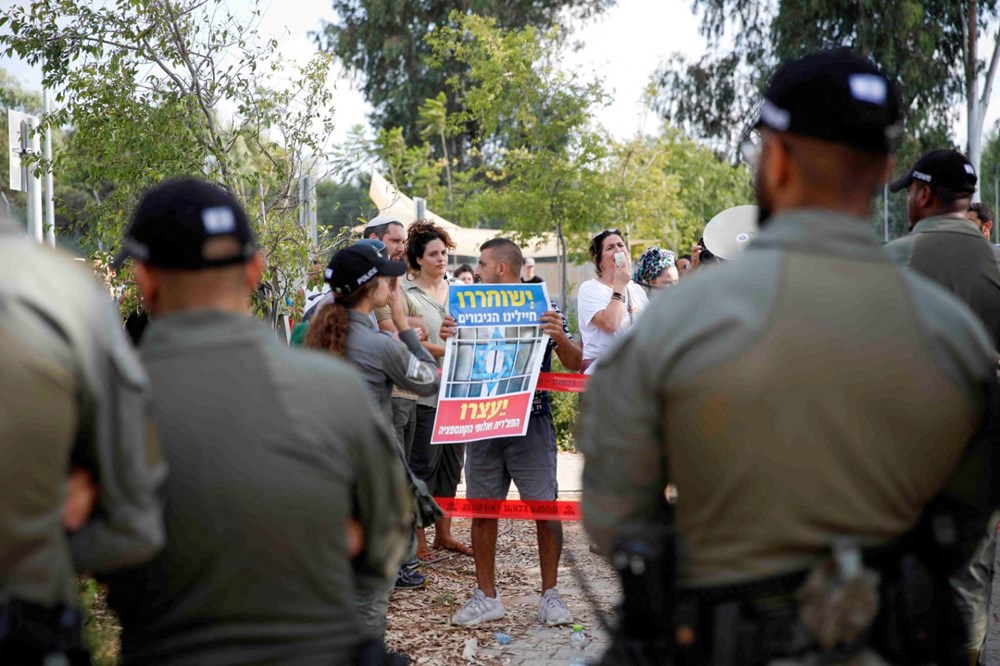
[[617, 296]]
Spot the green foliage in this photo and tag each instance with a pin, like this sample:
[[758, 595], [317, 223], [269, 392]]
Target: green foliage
[[383, 43], [565, 414], [664, 189], [158, 88], [340, 205], [918, 41]]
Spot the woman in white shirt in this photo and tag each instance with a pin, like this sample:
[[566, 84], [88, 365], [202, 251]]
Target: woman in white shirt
[[608, 304]]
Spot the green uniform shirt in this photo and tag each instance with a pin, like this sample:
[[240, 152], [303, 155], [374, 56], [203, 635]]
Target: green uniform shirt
[[271, 450], [71, 388], [809, 389], [951, 251]]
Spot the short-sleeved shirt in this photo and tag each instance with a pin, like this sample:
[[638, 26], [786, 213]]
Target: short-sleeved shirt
[[593, 297], [540, 404]]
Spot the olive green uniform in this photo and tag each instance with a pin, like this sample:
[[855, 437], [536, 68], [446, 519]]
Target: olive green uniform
[[71, 389], [951, 251], [810, 389], [272, 450]]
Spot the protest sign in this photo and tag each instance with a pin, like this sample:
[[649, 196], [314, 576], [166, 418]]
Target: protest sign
[[491, 366]]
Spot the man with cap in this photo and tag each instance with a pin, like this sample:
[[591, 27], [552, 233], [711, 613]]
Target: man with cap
[[528, 461], [943, 243], [79, 464], [286, 498], [951, 249], [808, 399], [528, 272]]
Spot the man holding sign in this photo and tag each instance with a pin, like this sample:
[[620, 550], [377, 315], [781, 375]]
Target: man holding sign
[[529, 460]]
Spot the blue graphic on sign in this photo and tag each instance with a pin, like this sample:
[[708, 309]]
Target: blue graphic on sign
[[493, 361]]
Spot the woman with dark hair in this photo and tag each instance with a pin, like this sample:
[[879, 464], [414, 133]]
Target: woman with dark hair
[[438, 465], [655, 270], [609, 303], [464, 273], [361, 280]]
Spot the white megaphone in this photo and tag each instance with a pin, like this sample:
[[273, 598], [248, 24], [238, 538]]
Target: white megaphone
[[727, 234]]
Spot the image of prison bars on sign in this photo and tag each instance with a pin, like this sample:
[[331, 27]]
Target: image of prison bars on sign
[[491, 366]]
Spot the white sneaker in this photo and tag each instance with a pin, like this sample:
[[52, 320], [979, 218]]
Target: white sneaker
[[551, 609], [480, 608]]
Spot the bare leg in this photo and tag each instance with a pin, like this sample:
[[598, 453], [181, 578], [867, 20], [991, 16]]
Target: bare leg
[[444, 539], [422, 550], [550, 540], [484, 551]]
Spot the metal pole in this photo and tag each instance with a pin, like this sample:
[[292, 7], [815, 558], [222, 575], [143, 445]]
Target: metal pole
[[34, 184], [421, 207], [885, 211], [311, 199], [50, 206]]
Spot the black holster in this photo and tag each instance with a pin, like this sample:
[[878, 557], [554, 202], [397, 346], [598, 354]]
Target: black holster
[[31, 633], [645, 557]]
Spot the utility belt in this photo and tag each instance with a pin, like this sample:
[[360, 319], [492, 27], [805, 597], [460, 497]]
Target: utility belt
[[894, 600], [748, 624], [34, 634]]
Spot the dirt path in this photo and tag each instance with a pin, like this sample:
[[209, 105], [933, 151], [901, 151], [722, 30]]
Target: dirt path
[[419, 620]]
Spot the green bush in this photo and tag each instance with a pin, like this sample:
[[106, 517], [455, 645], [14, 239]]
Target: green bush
[[565, 411]]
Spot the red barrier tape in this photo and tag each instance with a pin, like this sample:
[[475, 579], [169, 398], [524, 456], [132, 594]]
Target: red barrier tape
[[516, 509], [562, 381]]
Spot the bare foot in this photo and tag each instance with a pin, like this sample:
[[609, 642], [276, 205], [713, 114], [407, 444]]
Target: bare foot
[[453, 544]]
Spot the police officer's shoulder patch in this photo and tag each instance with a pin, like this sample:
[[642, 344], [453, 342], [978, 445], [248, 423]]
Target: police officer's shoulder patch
[[419, 372]]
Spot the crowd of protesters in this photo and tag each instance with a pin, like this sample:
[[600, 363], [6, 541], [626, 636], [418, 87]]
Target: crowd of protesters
[[826, 410]]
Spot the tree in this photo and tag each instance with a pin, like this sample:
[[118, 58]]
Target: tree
[[923, 43], [977, 97], [383, 43], [155, 88], [664, 189], [538, 153]]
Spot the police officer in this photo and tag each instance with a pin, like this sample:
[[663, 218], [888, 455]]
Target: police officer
[[286, 496], [943, 243], [78, 465], [809, 397]]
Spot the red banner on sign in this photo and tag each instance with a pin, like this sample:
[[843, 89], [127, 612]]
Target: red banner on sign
[[517, 509], [492, 417]]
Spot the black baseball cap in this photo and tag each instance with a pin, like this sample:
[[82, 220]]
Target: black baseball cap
[[836, 96], [940, 168], [175, 221], [351, 268]]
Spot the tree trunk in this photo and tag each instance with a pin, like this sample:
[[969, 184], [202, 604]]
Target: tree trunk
[[563, 274], [976, 104]]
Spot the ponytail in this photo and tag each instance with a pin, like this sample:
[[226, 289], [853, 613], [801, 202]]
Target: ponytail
[[329, 328]]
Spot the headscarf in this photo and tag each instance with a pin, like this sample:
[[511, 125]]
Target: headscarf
[[650, 264]]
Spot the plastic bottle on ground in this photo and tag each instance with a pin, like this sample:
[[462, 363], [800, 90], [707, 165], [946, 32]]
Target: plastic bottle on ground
[[578, 645]]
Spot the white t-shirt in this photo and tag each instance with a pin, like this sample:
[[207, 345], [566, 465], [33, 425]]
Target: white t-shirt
[[593, 297]]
